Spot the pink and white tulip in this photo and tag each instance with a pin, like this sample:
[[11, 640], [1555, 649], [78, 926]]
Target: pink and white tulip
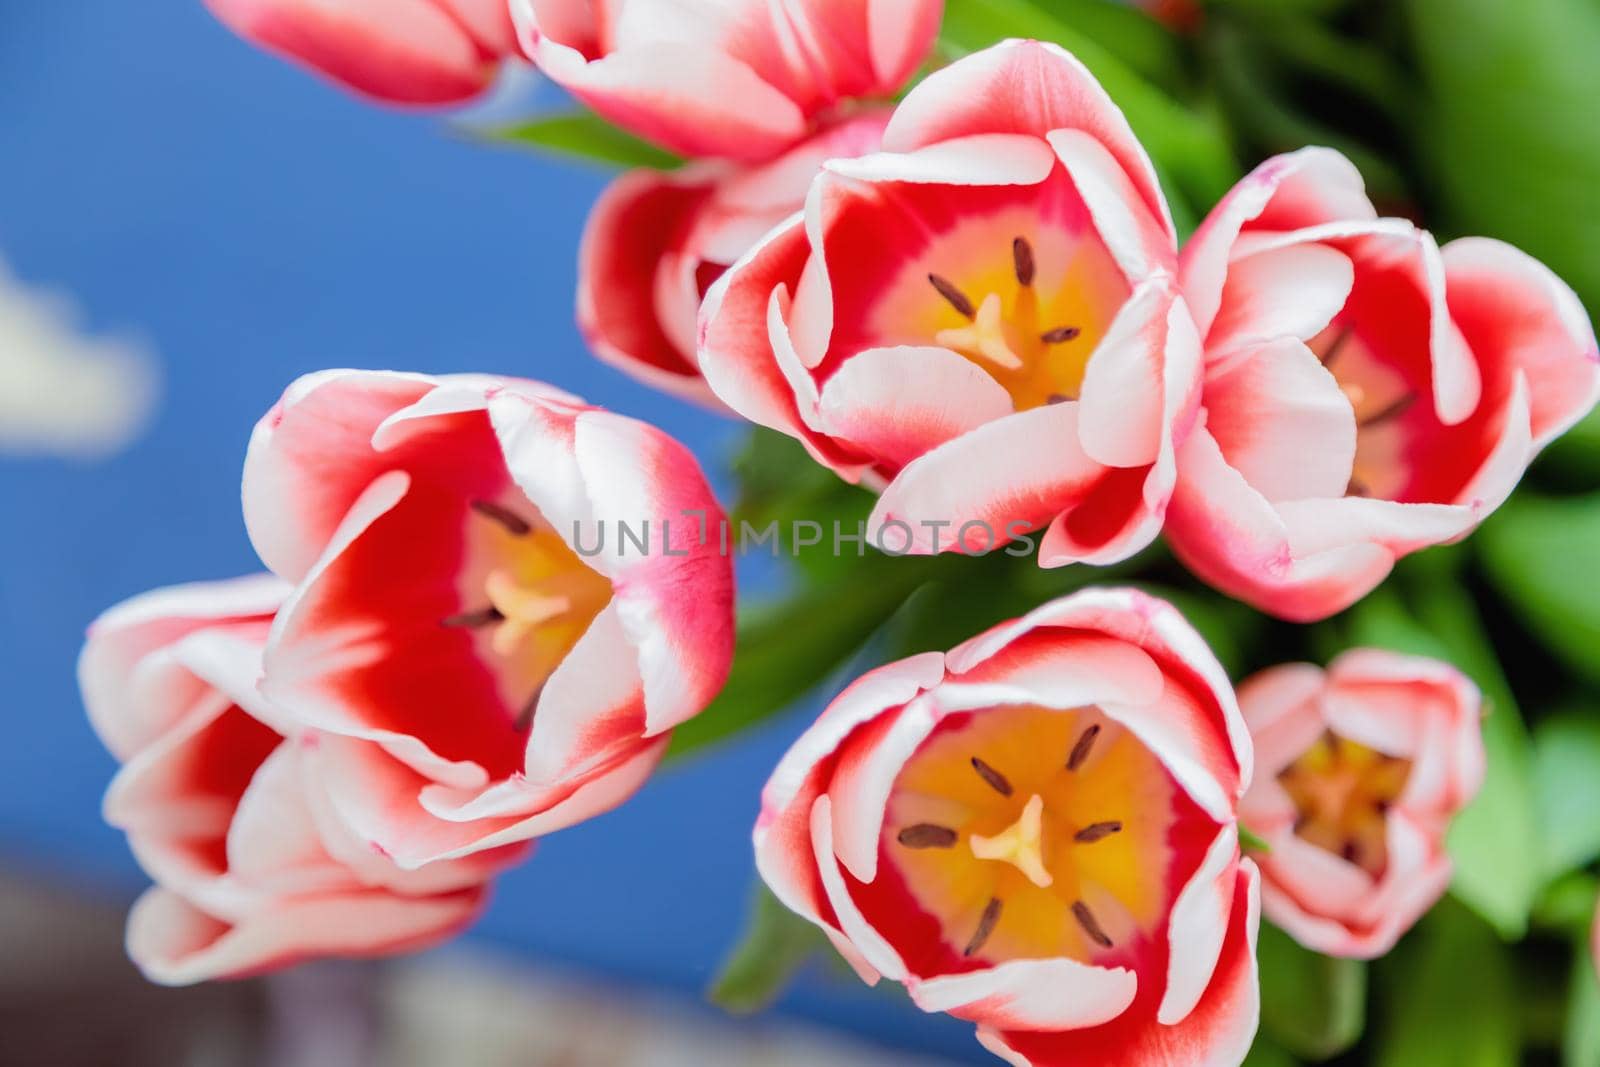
[[1362, 767], [1367, 394], [486, 656], [735, 79], [253, 870], [398, 51], [982, 319], [657, 241], [1036, 832]]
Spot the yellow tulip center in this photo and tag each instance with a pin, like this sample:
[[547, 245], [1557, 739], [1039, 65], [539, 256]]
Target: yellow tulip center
[[1031, 326], [538, 597], [1031, 832], [1342, 791]]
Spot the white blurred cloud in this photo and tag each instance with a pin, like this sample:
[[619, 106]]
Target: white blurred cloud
[[62, 391]]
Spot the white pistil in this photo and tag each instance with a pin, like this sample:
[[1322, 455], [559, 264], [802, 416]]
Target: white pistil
[[987, 336], [1021, 844], [524, 610]]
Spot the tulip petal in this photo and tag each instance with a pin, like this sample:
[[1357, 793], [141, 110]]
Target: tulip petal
[[1014, 474], [1289, 292], [637, 222], [174, 943], [1023, 87], [1282, 421], [898, 403], [1514, 312], [1285, 193], [1217, 1033], [398, 51], [1056, 994]]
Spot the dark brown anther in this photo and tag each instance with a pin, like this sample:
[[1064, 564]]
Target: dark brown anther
[[986, 924], [524, 720], [1350, 852], [994, 778], [927, 835], [1022, 257], [1097, 832], [1057, 398], [1090, 924], [471, 620], [1393, 411], [1060, 335], [1334, 349], [1081, 750], [1357, 488], [955, 297], [513, 522]]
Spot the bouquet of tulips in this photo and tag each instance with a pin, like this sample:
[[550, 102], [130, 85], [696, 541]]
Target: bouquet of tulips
[[1125, 492]]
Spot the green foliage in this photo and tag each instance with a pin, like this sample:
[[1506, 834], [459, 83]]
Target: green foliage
[[1312, 1005], [1541, 555], [775, 944], [786, 650], [1506, 128], [1450, 997], [580, 135], [1567, 789], [1580, 1042]]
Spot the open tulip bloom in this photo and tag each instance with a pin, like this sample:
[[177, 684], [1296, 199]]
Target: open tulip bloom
[[983, 319], [1037, 832], [490, 604]]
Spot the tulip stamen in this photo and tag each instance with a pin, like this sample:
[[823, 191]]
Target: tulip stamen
[[471, 620], [953, 296], [1334, 349], [1081, 750], [1056, 398], [514, 523], [1090, 924], [1097, 832], [1022, 259], [1060, 335], [927, 835], [1357, 488], [986, 924], [1393, 411], [995, 780]]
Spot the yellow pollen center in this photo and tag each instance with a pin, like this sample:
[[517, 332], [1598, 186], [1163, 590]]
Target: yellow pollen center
[[523, 607], [1021, 844], [1342, 791]]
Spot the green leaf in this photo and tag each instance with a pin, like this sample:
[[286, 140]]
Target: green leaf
[[786, 650], [581, 135], [776, 943], [1129, 32], [1506, 127], [1250, 841], [1313, 1005], [1451, 998], [1189, 145], [1266, 1054], [1566, 778], [1541, 554], [1581, 1042], [1567, 904], [1495, 841]]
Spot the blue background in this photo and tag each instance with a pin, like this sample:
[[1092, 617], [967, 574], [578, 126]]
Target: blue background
[[254, 224]]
